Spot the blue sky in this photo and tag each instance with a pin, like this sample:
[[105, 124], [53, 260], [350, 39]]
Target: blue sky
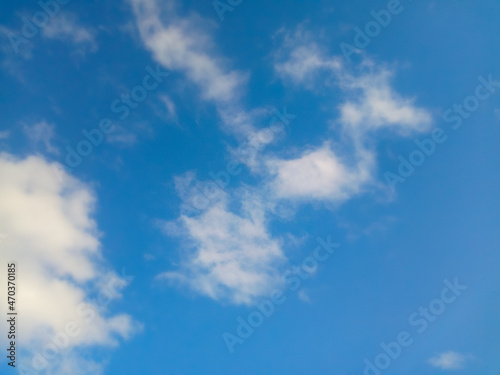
[[251, 187]]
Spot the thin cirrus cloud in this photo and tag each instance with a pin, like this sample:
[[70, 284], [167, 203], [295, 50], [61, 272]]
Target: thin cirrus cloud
[[66, 27], [449, 361], [170, 106], [54, 240], [42, 133], [300, 60]]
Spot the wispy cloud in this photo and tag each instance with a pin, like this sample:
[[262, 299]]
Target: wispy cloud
[[367, 103], [122, 136], [372, 104], [43, 133], [171, 110], [185, 45], [219, 265], [449, 361], [300, 60], [66, 27]]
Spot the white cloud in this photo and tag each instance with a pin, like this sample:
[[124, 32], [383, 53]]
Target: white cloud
[[319, 174], [41, 132], [231, 257], [65, 27], [449, 361], [172, 112], [122, 136], [367, 103], [224, 261], [251, 150], [376, 105], [370, 102], [303, 62], [149, 257], [4, 134], [128, 136], [75, 365], [300, 60], [183, 44], [55, 242], [303, 296]]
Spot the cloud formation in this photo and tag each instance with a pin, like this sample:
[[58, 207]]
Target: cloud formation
[[319, 174], [65, 27], [448, 361], [374, 104], [43, 133], [230, 256], [368, 103], [55, 242], [185, 45], [369, 100]]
